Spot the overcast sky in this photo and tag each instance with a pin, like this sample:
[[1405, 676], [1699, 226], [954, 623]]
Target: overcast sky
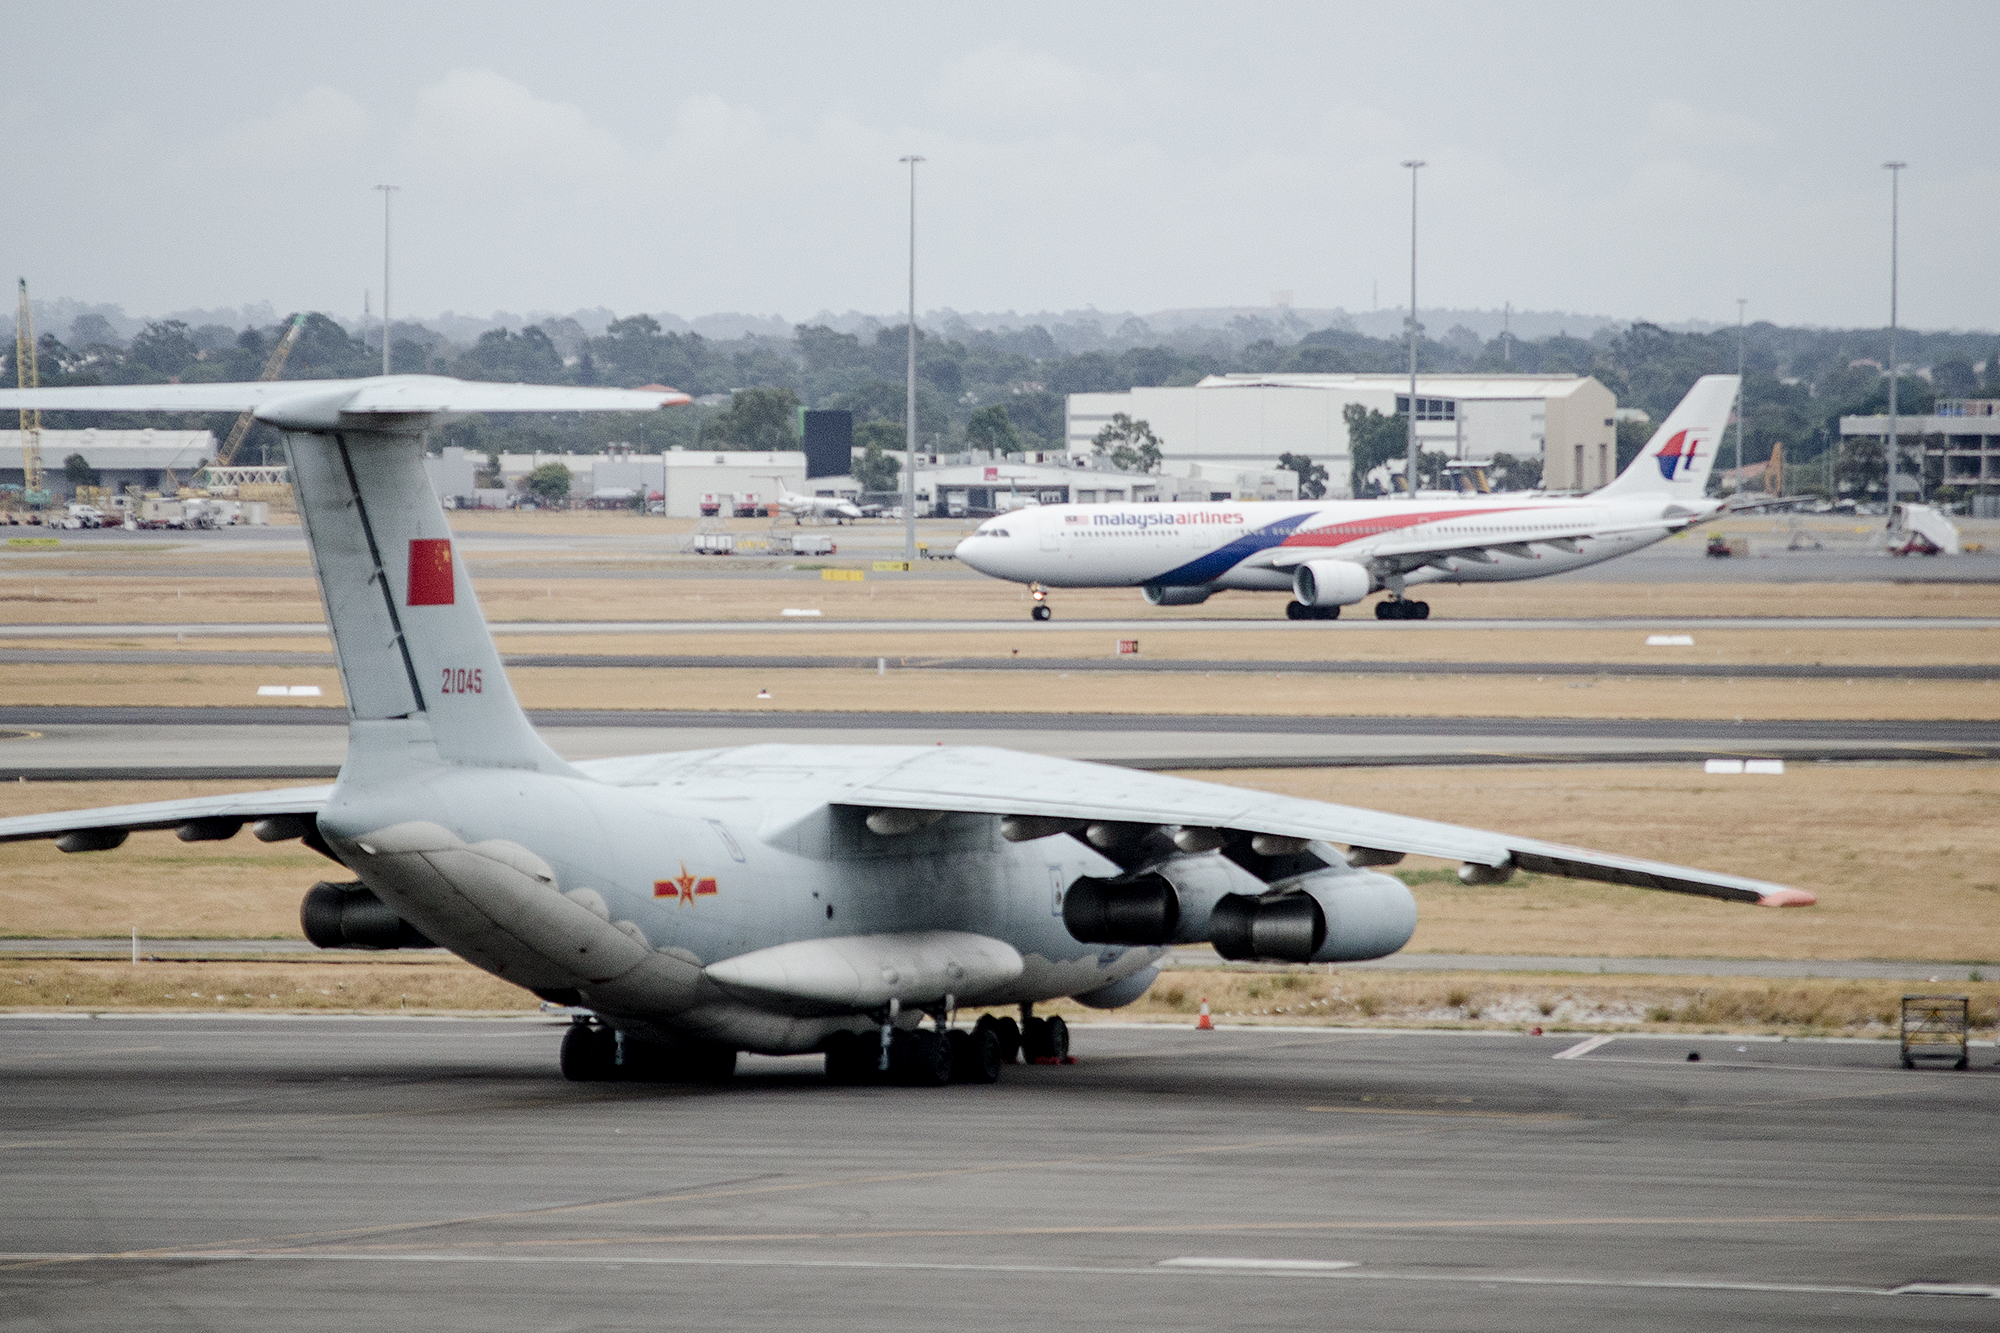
[[1654, 163]]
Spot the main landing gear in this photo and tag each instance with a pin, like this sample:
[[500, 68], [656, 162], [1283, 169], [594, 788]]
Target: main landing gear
[[594, 1053], [1402, 608], [932, 1057], [1300, 611], [1043, 610]]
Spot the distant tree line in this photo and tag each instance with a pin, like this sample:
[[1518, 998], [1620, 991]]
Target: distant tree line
[[1004, 390]]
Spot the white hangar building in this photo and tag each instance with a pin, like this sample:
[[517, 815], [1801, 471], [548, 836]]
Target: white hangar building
[[122, 457], [1229, 423]]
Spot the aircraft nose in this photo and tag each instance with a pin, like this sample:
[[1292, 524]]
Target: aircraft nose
[[968, 551]]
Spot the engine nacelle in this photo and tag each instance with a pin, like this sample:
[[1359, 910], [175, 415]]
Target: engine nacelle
[[1141, 910], [1327, 916], [1169, 904], [1156, 595], [348, 916], [1331, 583]]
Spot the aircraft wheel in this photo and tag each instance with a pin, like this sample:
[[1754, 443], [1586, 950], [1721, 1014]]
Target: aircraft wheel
[[1009, 1033], [588, 1053], [975, 1056], [1388, 609], [1043, 611], [1326, 613], [851, 1060], [1034, 1039], [1420, 610], [1058, 1037], [1297, 611], [921, 1059]]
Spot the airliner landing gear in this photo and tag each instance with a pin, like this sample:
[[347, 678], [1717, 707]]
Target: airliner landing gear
[[594, 1053], [1006, 1032], [1300, 611], [1043, 610], [1402, 608]]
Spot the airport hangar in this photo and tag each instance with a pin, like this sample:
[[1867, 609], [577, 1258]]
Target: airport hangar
[[1229, 423], [122, 457]]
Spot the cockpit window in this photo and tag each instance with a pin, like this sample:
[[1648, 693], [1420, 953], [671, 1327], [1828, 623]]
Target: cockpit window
[[993, 532]]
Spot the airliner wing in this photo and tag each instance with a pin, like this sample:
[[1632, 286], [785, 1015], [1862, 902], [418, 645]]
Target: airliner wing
[[106, 827], [979, 780]]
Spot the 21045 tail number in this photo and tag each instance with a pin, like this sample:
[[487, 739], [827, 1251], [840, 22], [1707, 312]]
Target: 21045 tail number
[[463, 680]]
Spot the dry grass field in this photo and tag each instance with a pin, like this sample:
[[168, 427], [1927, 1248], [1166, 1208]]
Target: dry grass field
[[947, 692], [1902, 857], [682, 590]]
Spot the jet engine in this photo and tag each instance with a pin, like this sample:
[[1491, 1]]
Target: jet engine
[[1325, 916], [1331, 583], [348, 916], [1157, 595], [1169, 903]]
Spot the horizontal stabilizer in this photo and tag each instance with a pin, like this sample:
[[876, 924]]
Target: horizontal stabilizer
[[379, 401]]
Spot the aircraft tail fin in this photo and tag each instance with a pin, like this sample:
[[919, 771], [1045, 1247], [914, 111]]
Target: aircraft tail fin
[[408, 635], [1677, 460]]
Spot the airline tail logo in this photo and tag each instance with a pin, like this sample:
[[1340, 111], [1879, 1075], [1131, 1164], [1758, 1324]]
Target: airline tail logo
[[1676, 456]]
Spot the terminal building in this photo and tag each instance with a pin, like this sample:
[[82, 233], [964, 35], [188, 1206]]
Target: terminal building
[[1229, 424], [682, 479], [1962, 433], [974, 487]]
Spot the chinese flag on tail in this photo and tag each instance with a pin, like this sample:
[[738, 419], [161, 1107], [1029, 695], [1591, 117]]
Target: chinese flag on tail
[[430, 572]]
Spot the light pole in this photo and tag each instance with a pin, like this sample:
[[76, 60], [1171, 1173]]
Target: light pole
[[1894, 449], [1741, 302], [910, 399], [386, 190], [1410, 465]]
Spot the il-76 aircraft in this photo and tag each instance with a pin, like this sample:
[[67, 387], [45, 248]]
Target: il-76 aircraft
[[1334, 553], [772, 898]]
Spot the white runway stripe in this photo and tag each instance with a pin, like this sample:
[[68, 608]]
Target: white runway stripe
[[1585, 1047]]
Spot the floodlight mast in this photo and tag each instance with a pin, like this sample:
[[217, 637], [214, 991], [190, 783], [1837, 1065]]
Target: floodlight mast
[[386, 190], [1410, 465], [1892, 454], [910, 399]]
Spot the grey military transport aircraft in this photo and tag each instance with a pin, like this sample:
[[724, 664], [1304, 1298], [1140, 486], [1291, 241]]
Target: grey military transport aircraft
[[770, 898]]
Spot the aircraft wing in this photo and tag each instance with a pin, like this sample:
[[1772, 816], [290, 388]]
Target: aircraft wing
[[979, 780], [106, 827]]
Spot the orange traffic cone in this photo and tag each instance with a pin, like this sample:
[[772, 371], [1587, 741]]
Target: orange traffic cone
[[1203, 1024]]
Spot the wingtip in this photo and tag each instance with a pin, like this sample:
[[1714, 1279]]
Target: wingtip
[[1787, 898], [672, 398]]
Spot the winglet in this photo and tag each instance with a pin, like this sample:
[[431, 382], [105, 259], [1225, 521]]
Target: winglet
[[1787, 898]]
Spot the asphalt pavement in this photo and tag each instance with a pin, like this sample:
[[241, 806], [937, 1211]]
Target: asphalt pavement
[[223, 1174]]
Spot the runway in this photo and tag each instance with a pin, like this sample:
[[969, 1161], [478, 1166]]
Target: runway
[[330, 1174], [307, 744], [1127, 663], [697, 629]]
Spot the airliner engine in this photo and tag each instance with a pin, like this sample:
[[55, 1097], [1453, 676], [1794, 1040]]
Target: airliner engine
[[1160, 595], [348, 916], [1331, 583]]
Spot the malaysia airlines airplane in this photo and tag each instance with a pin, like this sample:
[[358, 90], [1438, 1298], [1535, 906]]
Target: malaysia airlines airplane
[[1334, 553]]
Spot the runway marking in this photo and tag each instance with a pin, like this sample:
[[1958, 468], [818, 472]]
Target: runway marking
[[1471, 1115], [1586, 1046], [1166, 1269], [1260, 1265], [71, 1055]]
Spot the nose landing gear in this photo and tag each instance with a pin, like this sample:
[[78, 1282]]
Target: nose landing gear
[[1043, 610]]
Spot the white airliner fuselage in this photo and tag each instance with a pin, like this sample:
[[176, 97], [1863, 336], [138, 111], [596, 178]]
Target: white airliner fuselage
[[1333, 553]]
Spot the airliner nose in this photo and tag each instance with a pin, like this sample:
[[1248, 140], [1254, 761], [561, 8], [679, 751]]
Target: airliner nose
[[965, 551]]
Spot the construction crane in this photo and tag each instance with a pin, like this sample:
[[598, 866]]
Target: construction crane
[[27, 375], [272, 369]]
